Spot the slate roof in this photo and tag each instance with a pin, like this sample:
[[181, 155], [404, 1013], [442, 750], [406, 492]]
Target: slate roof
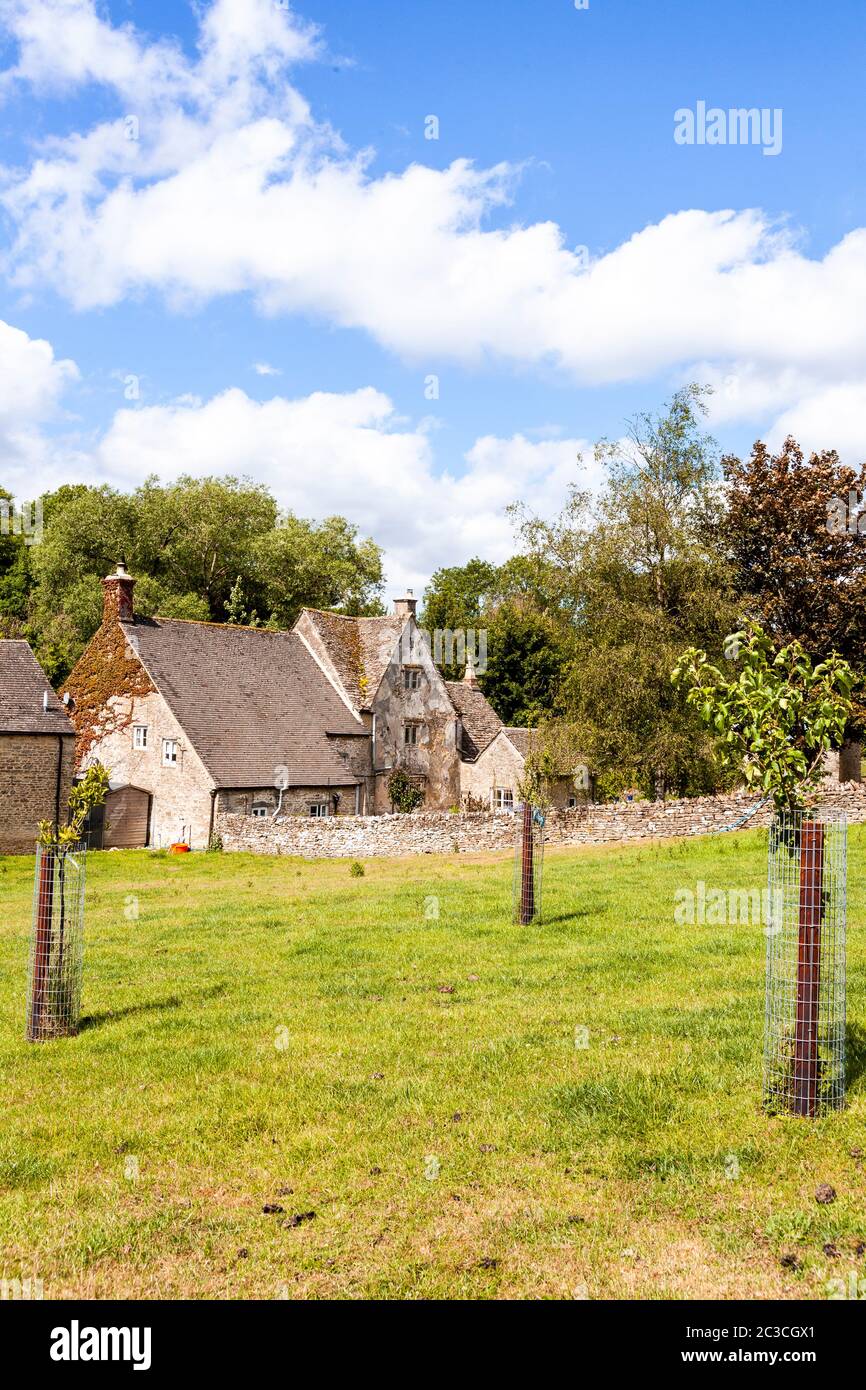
[[521, 739], [359, 648], [249, 700], [480, 721], [22, 690]]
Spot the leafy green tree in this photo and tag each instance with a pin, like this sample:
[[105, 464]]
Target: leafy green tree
[[776, 717], [188, 543], [236, 613], [459, 595], [634, 578], [317, 565], [528, 656]]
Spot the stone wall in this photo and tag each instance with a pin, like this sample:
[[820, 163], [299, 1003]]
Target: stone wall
[[28, 786], [438, 832]]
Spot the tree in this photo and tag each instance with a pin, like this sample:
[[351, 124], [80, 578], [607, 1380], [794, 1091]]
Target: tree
[[635, 577], [188, 544], [317, 565], [774, 719], [528, 655], [526, 648], [236, 613], [797, 549], [458, 596]]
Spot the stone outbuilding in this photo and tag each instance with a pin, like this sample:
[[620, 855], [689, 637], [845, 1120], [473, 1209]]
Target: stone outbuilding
[[37, 750], [491, 780]]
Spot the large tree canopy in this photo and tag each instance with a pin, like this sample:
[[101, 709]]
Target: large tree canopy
[[188, 543]]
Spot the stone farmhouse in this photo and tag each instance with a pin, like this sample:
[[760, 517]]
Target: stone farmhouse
[[37, 750], [193, 719]]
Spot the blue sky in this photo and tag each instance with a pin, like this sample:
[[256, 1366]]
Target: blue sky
[[142, 280]]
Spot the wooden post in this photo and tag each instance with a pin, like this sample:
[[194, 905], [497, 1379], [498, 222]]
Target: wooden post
[[805, 1075], [42, 945], [527, 876]]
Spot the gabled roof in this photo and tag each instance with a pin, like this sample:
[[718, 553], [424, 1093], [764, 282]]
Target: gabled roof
[[480, 721], [360, 649], [521, 739], [23, 685], [249, 700]]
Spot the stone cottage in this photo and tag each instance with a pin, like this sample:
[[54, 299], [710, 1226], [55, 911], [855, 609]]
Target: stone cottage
[[491, 777], [194, 718], [37, 750]]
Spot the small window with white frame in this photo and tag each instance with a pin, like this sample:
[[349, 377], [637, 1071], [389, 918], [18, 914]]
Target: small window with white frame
[[259, 810], [503, 799], [170, 752], [139, 736], [411, 677], [320, 809], [411, 734]]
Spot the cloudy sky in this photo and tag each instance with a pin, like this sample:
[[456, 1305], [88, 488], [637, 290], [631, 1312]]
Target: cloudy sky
[[405, 260]]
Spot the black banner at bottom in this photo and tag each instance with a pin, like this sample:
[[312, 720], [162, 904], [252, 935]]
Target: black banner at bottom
[[59, 1340]]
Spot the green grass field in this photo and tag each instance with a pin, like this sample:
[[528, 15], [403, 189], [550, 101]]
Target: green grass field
[[279, 1032]]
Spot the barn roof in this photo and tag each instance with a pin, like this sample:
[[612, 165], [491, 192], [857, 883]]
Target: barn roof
[[250, 701], [23, 686]]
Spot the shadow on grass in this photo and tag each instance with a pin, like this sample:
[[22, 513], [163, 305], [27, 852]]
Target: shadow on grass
[[577, 915], [173, 1001], [855, 1054]]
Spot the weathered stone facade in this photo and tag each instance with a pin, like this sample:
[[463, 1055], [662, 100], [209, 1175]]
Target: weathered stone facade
[[180, 791], [496, 773], [35, 781], [469, 832], [384, 671], [434, 758]]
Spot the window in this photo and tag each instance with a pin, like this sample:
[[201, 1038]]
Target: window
[[169, 752], [411, 678], [139, 735], [410, 734], [503, 799], [572, 803], [319, 808], [259, 810]]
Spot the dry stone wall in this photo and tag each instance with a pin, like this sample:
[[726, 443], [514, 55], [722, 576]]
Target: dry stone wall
[[441, 832]]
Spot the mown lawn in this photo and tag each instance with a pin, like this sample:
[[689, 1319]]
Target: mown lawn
[[277, 1031]]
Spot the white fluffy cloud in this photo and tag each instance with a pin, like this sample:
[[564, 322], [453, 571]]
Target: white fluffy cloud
[[321, 454], [215, 178], [351, 454], [32, 381], [231, 186]]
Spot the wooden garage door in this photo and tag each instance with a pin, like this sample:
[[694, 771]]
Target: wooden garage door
[[127, 812]]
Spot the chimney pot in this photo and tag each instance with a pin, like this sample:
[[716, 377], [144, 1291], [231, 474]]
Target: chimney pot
[[117, 603]]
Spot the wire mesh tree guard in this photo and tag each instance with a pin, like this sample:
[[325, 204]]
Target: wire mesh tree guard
[[804, 1029], [528, 864], [56, 942]]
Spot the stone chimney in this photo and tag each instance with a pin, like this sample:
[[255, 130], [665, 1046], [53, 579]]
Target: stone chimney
[[470, 677], [405, 607], [117, 596]]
